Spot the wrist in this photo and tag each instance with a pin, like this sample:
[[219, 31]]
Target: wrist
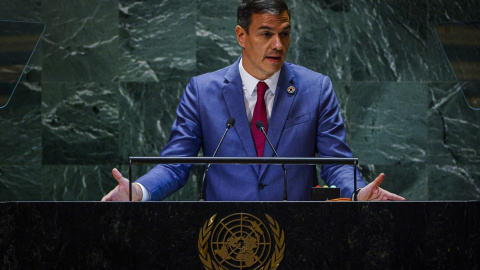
[[137, 192], [355, 194]]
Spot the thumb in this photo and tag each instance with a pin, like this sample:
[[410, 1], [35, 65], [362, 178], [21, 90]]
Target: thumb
[[379, 180], [119, 177]]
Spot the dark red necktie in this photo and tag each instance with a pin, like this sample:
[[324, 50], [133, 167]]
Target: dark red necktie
[[260, 114]]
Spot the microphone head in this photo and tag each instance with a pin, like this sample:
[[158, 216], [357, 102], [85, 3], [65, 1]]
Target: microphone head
[[230, 122], [259, 125]]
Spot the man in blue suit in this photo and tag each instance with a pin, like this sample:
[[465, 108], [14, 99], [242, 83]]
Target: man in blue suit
[[298, 107]]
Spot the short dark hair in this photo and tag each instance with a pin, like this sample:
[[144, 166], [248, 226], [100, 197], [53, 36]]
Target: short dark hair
[[249, 7]]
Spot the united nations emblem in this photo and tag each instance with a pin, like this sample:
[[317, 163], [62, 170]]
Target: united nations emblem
[[241, 241]]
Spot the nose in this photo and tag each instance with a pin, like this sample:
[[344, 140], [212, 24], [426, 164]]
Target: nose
[[277, 43]]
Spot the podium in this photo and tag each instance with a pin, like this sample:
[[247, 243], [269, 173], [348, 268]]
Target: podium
[[173, 235]]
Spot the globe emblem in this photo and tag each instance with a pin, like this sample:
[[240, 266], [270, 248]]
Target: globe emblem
[[241, 241]]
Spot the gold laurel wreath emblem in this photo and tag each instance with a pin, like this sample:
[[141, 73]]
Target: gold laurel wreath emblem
[[272, 264]]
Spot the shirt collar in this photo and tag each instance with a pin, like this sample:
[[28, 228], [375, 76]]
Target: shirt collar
[[250, 83]]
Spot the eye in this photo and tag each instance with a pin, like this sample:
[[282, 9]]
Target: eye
[[286, 34], [266, 34]]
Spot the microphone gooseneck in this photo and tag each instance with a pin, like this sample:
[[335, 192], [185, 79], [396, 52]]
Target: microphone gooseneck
[[261, 127], [230, 123]]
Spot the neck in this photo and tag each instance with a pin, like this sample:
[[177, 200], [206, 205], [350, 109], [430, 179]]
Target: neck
[[252, 71]]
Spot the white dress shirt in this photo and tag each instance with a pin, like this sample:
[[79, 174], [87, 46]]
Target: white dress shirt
[[249, 84]]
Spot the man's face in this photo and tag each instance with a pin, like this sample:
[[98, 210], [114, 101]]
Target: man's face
[[266, 44]]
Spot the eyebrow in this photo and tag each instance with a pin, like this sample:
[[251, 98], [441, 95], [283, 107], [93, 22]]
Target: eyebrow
[[270, 28]]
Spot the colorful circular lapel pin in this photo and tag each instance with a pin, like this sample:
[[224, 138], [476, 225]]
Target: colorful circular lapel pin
[[291, 89]]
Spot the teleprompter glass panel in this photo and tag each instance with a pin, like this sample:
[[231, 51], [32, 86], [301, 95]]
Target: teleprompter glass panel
[[461, 44], [18, 41]]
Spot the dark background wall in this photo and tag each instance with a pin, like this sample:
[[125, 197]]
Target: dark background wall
[[108, 75]]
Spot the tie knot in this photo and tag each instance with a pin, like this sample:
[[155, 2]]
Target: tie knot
[[261, 88]]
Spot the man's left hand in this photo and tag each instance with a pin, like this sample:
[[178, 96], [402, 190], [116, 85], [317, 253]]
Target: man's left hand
[[372, 192]]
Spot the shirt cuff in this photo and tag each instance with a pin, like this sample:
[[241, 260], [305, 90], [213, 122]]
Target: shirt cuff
[[146, 193]]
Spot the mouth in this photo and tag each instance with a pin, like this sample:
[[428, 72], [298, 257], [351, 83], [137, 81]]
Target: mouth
[[274, 59]]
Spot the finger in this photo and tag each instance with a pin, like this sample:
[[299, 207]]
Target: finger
[[119, 177], [395, 197], [108, 197], [388, 196], [379, 180]]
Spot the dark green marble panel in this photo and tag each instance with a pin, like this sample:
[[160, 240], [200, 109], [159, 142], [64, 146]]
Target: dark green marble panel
[[21, 10], [388, 122], [80, 123], [440, 11], [20, 182], [147, 112], [319, 37], [20, 124], [157, 40], [389, 41], [454, 182], [439, 150], [454, 128], [216, 40], [81, 40], [20, 143], [76, 182]]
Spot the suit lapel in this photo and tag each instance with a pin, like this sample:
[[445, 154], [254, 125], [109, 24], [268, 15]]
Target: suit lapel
[[233, 95], [281, 108]]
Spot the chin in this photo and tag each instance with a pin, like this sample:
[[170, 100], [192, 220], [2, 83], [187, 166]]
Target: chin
[[276, 68]]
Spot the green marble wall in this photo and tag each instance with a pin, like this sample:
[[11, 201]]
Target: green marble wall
[[107, 77]]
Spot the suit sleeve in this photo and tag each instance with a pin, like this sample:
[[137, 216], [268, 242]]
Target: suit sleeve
[[331, 142], [185, 141]]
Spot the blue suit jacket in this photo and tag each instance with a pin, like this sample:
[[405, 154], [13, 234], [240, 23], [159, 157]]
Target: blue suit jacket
[[303, 124]]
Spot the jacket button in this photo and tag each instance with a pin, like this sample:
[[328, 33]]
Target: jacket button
[[261, 186]]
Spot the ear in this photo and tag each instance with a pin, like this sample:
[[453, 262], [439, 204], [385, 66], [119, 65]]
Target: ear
[[241, 33]]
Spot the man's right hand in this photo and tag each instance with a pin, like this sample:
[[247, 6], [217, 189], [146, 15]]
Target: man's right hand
[[120, 192]]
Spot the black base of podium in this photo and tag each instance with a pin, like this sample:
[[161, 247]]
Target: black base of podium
[[169, 235]]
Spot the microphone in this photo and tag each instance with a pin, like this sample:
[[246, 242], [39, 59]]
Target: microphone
[[261, 127], [230, 123]]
